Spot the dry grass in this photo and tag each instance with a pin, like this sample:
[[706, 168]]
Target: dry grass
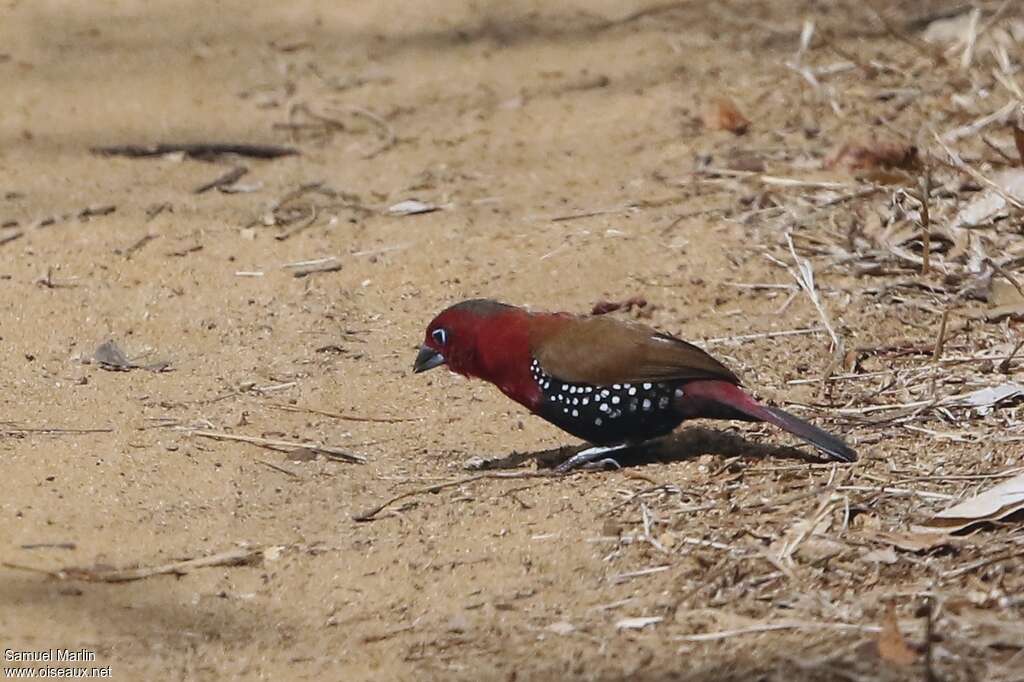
[[924, 227], [848, 234]]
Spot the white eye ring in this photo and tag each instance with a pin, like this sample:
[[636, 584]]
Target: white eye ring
[[440, 336]]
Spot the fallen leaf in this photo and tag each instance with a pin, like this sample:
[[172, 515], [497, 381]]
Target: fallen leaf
[[913, 542], [947, 30], [873, 155], [723, 114], [885, 555], [891, 645], [817, 550], [746, 162], [562, 628], [989, 204], [953, 30], [995, 503], [1013, 311], [1004, 301], [110, 356], [638, 623], [1004, 293], [412, 207], [980, 209], [985, 400]]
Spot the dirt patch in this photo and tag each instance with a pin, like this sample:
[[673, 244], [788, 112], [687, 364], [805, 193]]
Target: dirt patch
[[562, 157]]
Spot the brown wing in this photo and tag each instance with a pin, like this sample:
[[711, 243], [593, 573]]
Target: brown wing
[[601, 350]]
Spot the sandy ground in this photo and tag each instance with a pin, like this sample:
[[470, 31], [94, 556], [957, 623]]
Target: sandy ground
[[558, 139]]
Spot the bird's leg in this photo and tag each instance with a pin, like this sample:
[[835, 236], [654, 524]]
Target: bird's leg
[[594, 455]]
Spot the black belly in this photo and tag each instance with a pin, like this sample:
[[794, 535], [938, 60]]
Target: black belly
[[608, 415]]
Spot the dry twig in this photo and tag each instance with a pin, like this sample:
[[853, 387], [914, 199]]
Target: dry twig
[[234, 557], [284, 445]]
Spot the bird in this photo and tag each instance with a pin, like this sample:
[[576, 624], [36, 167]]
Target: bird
[[610, 382]]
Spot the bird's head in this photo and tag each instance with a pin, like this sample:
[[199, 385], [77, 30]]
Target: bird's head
[[471, 337]]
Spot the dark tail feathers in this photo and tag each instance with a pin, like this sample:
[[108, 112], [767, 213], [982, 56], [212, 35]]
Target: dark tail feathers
[[722, 400]]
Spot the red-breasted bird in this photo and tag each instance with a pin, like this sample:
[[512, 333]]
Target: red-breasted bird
[[609, 382]]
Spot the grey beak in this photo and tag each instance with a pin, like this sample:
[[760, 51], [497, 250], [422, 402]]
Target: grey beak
[[427, 358]]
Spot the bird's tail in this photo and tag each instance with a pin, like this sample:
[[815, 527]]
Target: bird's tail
[[722, 400]]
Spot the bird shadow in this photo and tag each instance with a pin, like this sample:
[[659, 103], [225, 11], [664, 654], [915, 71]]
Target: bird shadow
[[679, 446]]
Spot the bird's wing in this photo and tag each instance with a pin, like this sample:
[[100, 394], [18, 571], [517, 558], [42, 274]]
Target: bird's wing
[[600, 351]]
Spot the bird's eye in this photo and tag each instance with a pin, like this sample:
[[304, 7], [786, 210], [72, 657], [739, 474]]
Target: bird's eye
[[440, 336]]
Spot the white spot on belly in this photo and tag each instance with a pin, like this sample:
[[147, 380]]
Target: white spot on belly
[[615, 400], [647, 405]]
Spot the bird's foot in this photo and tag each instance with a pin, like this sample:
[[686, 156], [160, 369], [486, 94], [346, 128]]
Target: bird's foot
[[591, 458], [606, 464]]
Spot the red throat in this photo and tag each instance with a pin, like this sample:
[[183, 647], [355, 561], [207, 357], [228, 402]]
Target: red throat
[[497, 349]]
